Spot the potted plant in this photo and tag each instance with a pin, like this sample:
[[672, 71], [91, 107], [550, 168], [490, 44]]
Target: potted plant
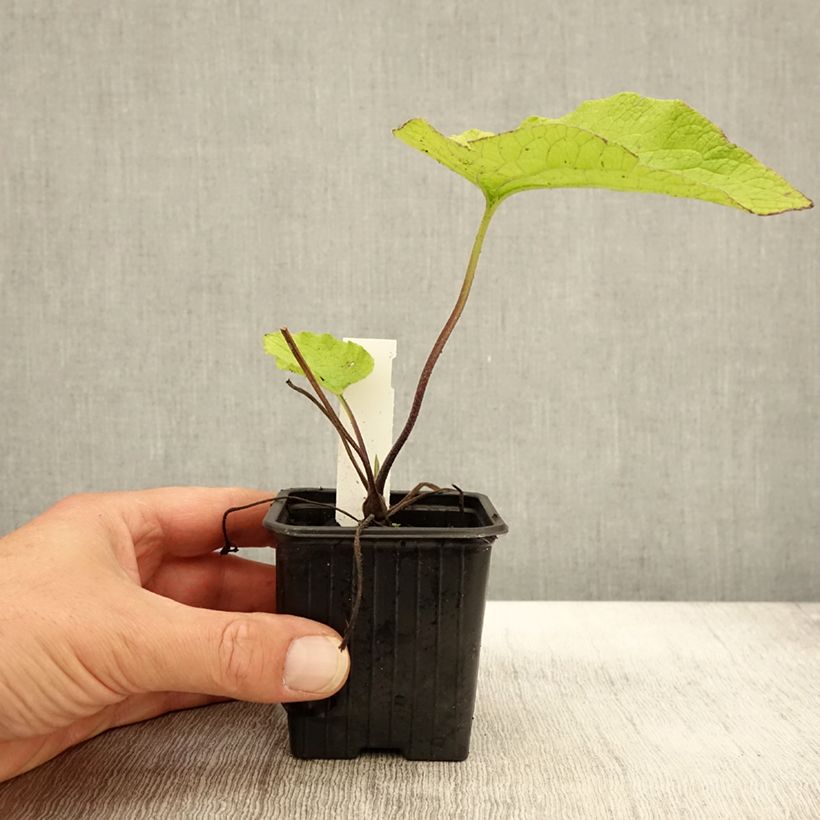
[[405, 581]]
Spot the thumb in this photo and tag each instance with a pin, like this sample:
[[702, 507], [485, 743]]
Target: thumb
[[247, 656]]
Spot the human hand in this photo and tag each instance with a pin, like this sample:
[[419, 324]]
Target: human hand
[[116, 609]]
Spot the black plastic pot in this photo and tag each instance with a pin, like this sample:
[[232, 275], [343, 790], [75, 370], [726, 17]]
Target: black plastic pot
[[414, 650]]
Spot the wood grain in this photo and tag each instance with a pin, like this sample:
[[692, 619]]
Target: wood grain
[[586, 710]]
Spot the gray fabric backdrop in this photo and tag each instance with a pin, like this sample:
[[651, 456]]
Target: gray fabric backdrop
[[635, 382]]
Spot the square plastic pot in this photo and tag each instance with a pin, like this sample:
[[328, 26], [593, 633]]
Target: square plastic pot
[[415, 647]]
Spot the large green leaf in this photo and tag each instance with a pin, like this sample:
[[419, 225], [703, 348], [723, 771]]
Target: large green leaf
[[336, 364], [626, 143]]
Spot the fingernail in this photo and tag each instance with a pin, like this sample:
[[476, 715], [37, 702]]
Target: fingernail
[[315, 664]]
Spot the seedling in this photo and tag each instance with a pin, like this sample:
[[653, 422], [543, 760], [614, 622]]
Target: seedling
[[625, 143]]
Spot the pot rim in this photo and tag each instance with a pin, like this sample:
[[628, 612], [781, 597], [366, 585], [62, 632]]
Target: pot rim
[[491, 524]]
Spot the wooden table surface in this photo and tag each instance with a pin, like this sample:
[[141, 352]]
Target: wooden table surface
[[593, 710]]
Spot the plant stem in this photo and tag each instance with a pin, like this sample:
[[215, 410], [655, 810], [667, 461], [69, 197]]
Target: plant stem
[[374, 501], [347, 439], [413, 496], [358, 580], [443, 336], [320, 394], [302, 392], [229, 546]]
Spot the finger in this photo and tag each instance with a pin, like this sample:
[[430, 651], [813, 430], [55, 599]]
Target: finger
[[225, 582], [248, 656], [187, 521]]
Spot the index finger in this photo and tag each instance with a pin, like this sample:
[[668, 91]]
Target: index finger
[[187, 521]]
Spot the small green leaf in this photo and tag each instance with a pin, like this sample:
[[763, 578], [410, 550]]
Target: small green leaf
[[625, 143], [336, 364]]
